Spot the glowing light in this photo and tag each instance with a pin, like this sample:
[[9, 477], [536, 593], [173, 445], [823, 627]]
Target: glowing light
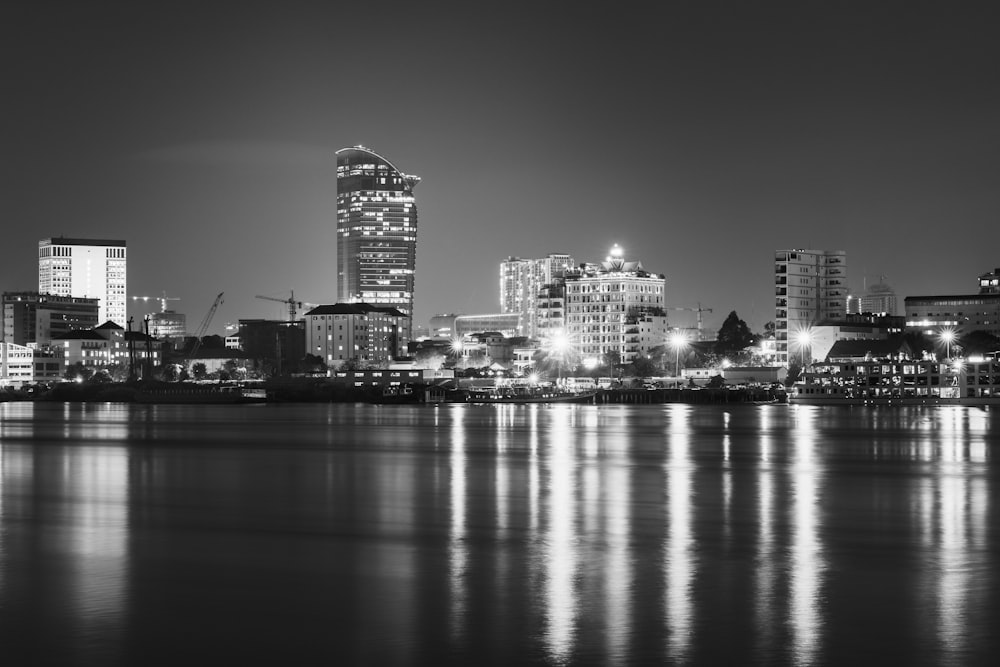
[[947, 336], [678, 341]]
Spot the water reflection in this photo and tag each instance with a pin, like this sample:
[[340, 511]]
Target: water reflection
[[807, 566], [560, 556], [559, 534], [679, 561]]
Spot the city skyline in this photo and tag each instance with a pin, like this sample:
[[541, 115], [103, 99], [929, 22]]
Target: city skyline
[[701, 139]]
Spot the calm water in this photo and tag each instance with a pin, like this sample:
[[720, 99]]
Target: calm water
[[343, 534]]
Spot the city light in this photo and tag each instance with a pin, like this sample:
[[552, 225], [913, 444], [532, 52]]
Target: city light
[[678, 341], [947, 336], [804, 339]]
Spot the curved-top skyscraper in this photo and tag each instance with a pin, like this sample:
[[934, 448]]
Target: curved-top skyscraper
[[376, 233]]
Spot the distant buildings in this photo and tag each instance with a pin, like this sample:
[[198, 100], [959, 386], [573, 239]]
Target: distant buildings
[[965, 312], [376, 234], [530, 288], [879, 299], [810, 286], [615, 307], [88, 268]]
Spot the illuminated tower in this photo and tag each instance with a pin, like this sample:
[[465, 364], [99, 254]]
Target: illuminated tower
[[90, 268], [376, 234]]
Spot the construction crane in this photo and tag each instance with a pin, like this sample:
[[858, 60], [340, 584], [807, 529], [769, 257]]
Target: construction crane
[[698, 310], [162, 299], [203, 327], [292, 304]]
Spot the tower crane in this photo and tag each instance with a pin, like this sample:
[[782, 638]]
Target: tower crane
[[698, 310], [293, 305], [203, 327], [162, 299]]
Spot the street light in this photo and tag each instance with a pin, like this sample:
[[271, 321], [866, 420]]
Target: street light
[[558, 345], [804, 337], [677, 341], [948, 335]]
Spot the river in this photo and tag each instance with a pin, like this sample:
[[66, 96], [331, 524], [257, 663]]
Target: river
[[306, 534]]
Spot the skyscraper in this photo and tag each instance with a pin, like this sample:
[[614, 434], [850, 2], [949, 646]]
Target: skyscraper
[[89, 268], [376, 234], [810, 286]]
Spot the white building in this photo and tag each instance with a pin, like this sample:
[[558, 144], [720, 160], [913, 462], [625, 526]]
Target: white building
[[89, 268], [16, 365], [615, 307], [809, 286]]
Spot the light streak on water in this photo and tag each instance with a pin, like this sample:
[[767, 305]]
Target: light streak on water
[[679, 565], [807, 566], [560, 588]]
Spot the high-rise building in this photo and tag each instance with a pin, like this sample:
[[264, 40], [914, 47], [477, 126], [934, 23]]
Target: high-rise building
[[527, 287], [810, 286], [615, 307], [376, 234], [89, 268]]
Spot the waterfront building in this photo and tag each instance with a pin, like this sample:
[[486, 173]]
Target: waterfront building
[[962, 312], [376, 234], [456, 327], [809, 286], [897, 378], [30, 317], [354, 331], [528, 286], [89, 268], [616, 307], [16, 365]]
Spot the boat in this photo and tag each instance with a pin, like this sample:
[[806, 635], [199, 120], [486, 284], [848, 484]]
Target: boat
[[190, 392], [900, 381], [529, 395]]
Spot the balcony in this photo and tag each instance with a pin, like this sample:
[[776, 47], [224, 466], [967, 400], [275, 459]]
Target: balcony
[[780, 291]]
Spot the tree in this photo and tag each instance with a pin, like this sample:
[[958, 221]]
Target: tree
[[78, 372], [734, 335], [199, 370], [980, 342]]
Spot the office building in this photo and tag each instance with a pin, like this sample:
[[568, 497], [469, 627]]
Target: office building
[[353, 331], [528, 287], [30, 317], [616, 307], [810, 286], [376, 234], [87, 268], [963, 313]]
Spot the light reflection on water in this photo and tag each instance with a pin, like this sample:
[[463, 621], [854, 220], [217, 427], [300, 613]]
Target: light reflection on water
[[556, 534]]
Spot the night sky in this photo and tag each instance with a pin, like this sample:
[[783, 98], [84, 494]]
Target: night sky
[[700, 136]]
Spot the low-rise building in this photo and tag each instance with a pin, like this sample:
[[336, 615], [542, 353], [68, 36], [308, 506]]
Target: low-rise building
[[16, 365]]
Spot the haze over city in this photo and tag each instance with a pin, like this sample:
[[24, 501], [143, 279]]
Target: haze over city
[[698, 136]]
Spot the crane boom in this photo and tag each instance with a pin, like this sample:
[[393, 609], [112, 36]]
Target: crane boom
[[293, 304], [203, 327]]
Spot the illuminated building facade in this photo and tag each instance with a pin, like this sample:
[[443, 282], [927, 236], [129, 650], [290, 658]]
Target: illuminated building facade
[[962, 312], [615, 307], [89, 268], [530, 288], [810, 286], [376, 234], [353, 331], [30, 317]]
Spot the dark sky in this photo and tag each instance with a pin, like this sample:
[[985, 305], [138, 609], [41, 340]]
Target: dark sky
[[700, 136]]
